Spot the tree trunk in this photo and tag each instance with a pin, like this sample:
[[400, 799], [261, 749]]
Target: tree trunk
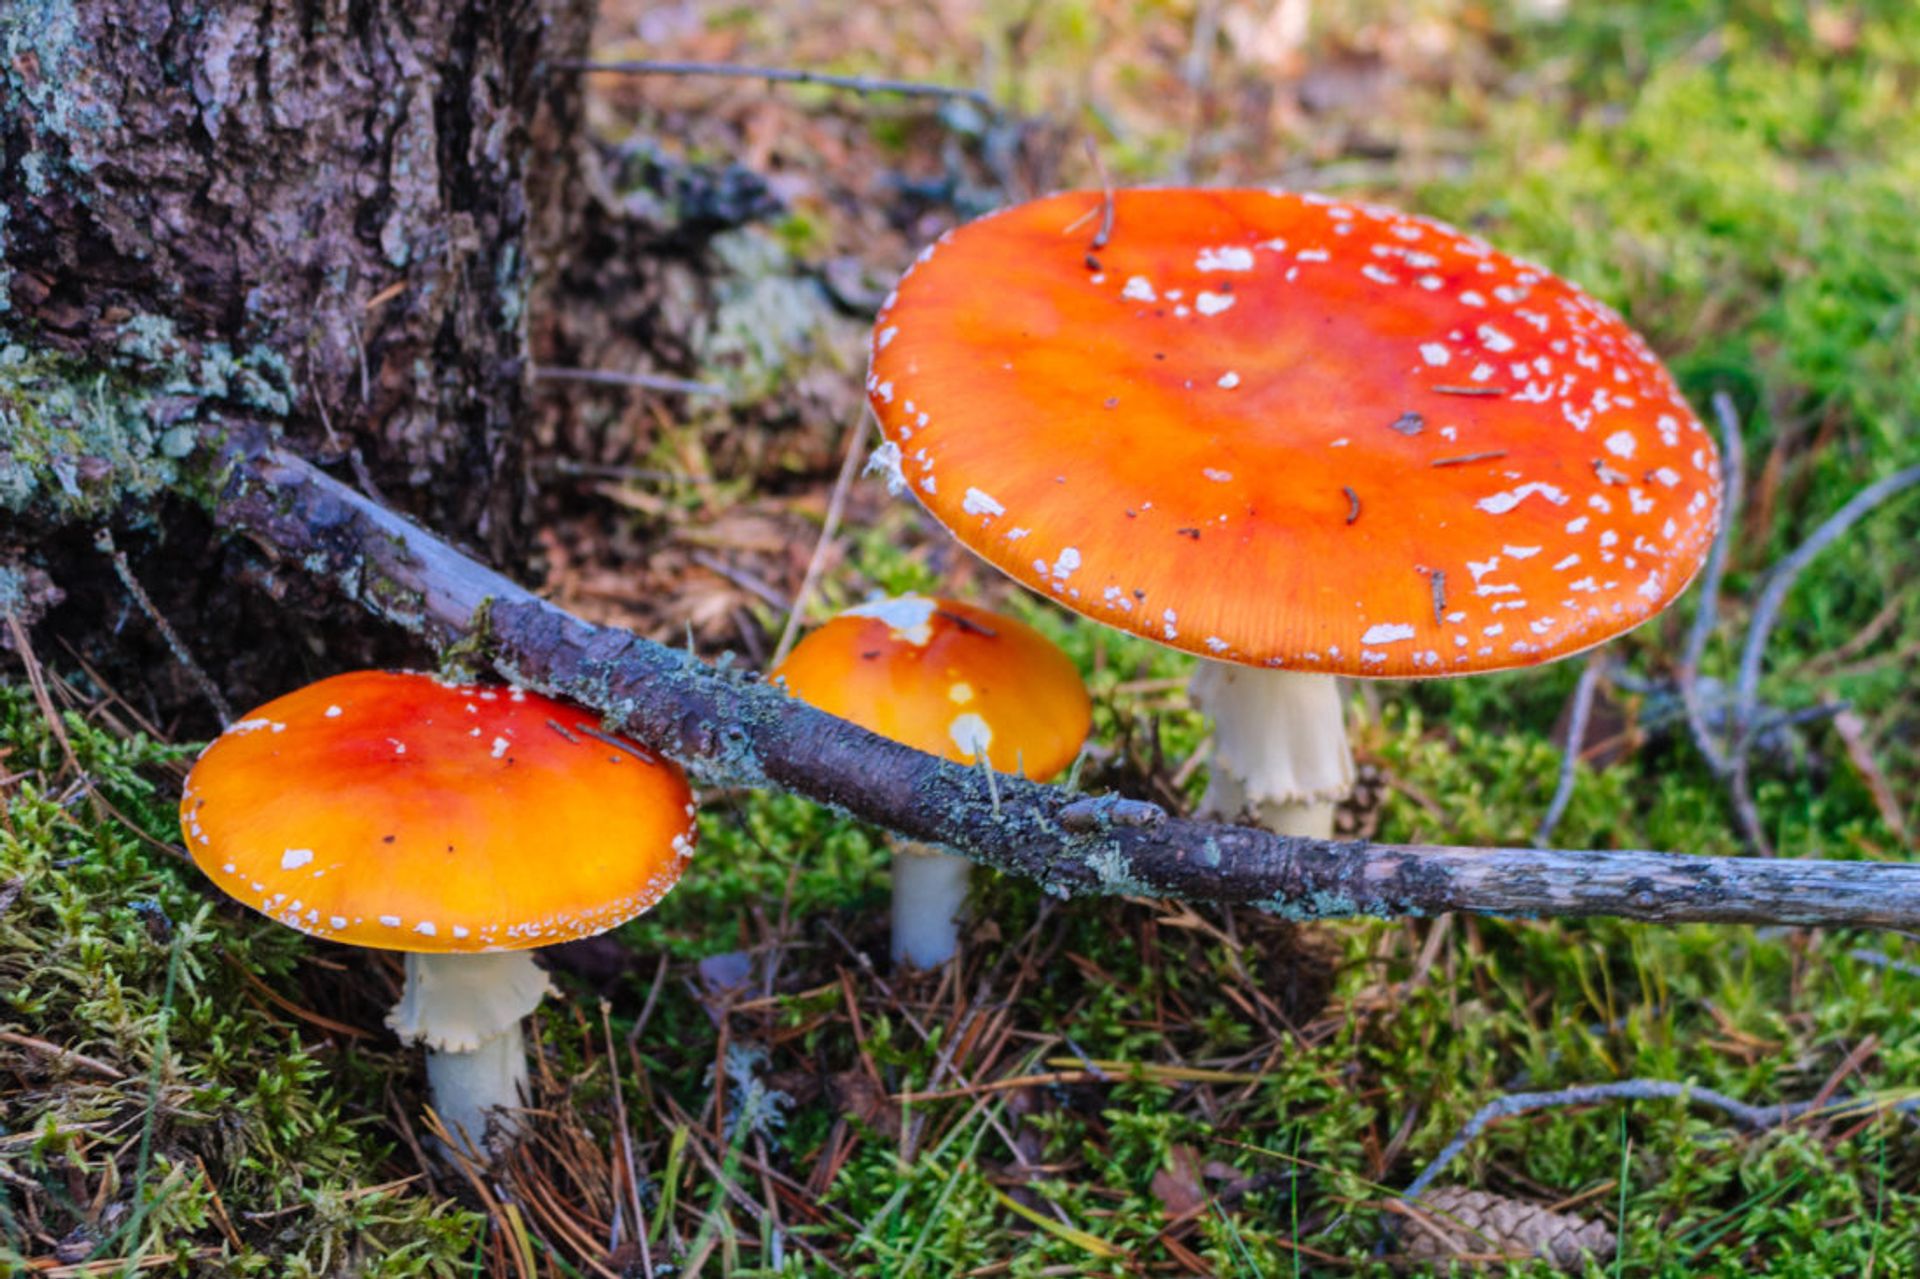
[[330, 216]]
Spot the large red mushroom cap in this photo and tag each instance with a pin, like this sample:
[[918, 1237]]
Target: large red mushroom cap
[[399, 812], [948, 679], [1293, 431]]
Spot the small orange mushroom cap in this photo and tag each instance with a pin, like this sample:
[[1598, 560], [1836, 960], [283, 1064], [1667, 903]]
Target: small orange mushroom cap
[[395, 811], [1292, 431], [948, 679]]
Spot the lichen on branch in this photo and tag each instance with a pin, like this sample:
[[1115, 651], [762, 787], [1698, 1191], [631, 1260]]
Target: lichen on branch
[[728, 727]]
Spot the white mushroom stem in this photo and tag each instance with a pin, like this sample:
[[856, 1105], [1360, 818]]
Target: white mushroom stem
[[1280, 753], [467, 1010], [929, 892]]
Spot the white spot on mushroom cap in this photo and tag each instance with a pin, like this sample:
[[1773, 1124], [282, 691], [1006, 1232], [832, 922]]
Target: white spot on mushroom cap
[[909, 617], [977, 502], [1140, 289], [885, 459], [1387, 633], [1435, 353], [1226, 258], [1212, 303], [970, 734], [332, 712], [1621, 444], [1229, 380], [1501, 503], [295, 858], [960, 693]]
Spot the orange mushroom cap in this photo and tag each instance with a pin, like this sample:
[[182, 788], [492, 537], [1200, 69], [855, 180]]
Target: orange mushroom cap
[[948, 679], [1294, 431], [395, 811]]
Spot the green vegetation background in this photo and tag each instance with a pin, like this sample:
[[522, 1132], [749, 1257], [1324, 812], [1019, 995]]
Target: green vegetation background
[[1743, 182]]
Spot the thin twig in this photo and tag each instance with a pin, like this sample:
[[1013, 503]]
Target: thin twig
[[1582, 706], [1766, 612], [829, 526], [1105, 230], [1780, 579], [784, 75], [645, 381], [740, 578], [57, 1053], [181, 654], [637, 1222], [1733, 463], [1753, 1118]]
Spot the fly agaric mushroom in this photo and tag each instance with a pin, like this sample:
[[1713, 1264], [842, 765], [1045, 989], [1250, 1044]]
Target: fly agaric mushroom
[[1298, 436], [952, 680], [462, 824]]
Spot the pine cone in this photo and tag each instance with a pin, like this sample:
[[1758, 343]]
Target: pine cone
[[1454, 1221]]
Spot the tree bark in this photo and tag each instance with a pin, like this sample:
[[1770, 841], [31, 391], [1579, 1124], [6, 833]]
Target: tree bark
[[330, 216]]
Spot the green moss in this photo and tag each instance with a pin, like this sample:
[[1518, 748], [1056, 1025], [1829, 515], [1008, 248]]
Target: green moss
[[112, 947], [75, 446]]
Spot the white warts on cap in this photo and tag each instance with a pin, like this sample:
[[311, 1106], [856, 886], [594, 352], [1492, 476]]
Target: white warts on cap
[[1227, 258], [971, 734], [295, 858], [1501, 503], [909, 617], [979, 503]]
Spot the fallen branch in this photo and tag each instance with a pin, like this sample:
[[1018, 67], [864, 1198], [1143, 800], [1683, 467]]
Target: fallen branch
[[786, 75], [729, 728], [1750, 1117]]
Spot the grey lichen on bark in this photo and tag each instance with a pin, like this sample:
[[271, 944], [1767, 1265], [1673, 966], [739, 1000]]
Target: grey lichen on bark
[[329, 214], [329, 218]]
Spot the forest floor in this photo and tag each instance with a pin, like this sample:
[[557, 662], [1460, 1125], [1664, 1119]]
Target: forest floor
[[1098, 1086]]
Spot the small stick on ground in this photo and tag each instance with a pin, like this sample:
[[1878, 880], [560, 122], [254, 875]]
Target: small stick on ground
[[785, 75], [1105, 231], [836, 505], [55, 1052], [1752, 1118], [208, 689], [1766, 612], [1780, 579], [644, 381], [1582, 706], [1733, 464]]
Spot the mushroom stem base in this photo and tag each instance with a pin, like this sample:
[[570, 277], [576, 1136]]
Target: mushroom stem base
[[471, 1088], [466, 1009], [1280, 753], [929, 892]]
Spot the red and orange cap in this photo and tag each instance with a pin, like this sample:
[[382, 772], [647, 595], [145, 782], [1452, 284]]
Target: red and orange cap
[[948, 679], [1293, 431], [398, 812]]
